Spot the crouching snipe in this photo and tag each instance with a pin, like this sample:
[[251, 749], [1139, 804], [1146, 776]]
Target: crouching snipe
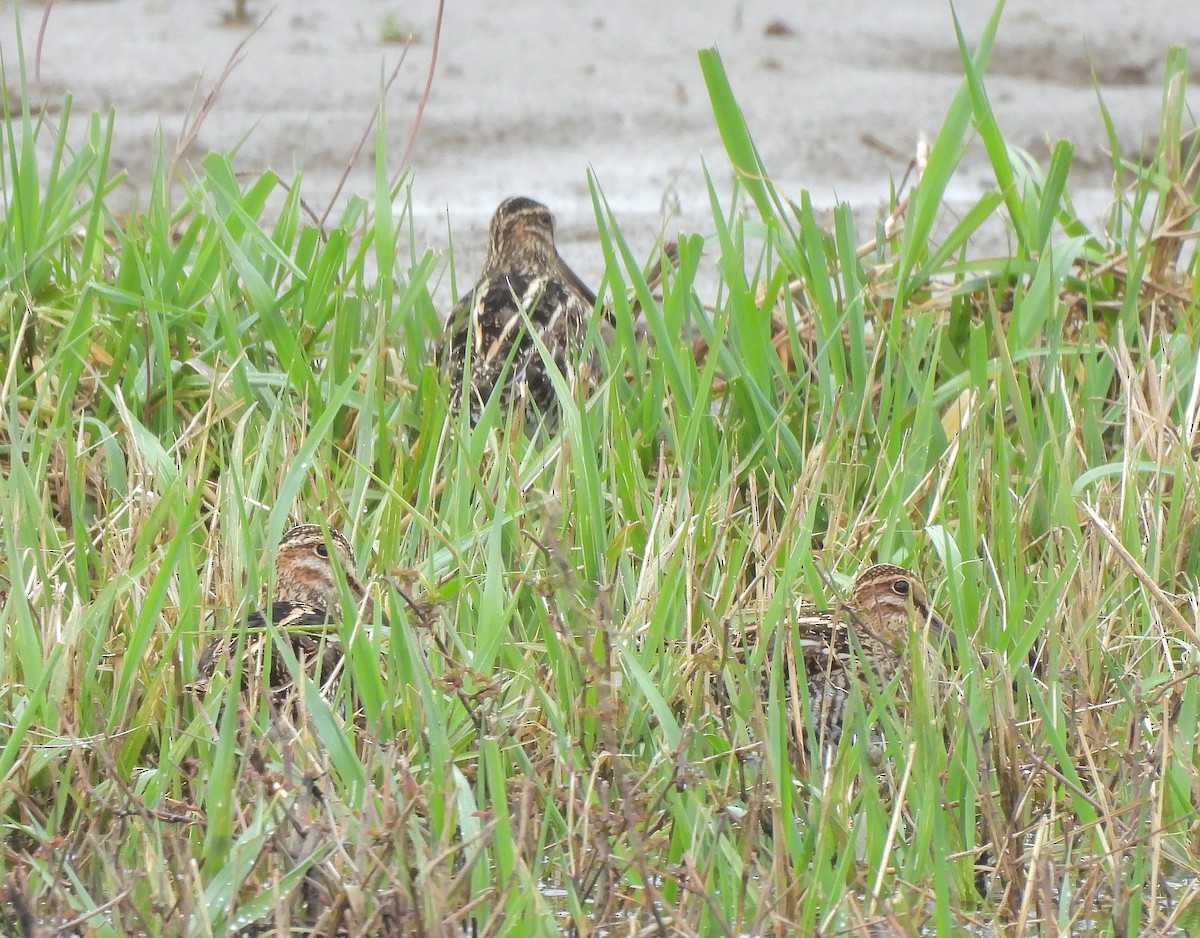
[[862, 640], [306, 608]]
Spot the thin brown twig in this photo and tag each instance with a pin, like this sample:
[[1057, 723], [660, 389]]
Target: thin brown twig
[[362, 141], [187, 135], [69, 927], [416, 124], [304, 206], [142, 811]]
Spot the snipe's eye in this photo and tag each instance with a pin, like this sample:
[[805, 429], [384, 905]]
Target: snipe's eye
[[546, 220], [901, 587], [322, 551]]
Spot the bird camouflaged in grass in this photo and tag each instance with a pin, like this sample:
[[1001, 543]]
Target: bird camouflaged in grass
[[307, 607], [864, 640], [525, 289]]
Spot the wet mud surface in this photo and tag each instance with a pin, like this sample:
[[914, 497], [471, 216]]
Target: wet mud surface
[[528, 97]]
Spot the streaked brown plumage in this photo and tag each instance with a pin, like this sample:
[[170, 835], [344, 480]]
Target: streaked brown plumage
[[525, 286], [862, 640], [307, 603]]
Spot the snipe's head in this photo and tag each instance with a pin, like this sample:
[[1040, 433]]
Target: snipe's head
[[304, 568], [886, 598], [521, 235]]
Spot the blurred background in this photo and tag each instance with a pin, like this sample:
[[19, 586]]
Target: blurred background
[[526, 97]]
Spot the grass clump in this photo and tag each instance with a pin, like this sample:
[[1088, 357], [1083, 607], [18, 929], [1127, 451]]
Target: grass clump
[[565, 727]]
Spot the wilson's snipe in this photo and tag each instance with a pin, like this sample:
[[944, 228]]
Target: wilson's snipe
[[307, 602], [525, 288], [863, 639]]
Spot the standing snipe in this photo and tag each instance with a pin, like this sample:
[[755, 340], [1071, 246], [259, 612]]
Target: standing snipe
[[525, 289], [863, 639], [307, 602]]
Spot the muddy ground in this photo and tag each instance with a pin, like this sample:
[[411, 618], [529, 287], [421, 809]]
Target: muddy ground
[[528, 96]]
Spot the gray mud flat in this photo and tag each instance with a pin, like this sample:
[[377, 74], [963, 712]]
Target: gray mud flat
[[527, 97]]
